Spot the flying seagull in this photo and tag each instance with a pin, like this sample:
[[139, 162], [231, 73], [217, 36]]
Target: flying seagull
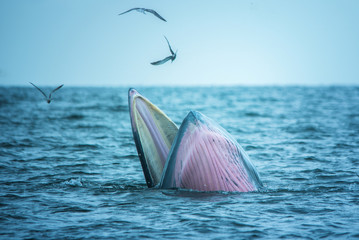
[[144, 10], [48, 99], [172, 57]]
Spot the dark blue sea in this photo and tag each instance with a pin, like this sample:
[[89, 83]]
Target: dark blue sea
[[70, 170]]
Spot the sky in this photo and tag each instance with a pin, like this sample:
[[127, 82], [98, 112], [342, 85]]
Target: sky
[[219, 42]]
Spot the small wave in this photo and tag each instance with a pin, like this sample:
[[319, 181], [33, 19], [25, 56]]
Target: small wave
[[344, 146], [90, 107], [127, 144], [26, 142], [118, 108], [3, 102], [306, 128], [82, 173], [80, 147], [75, 116], [311, 158], [129, 156], [253, 147], [7, 145], [190, 193], [90, 126], [72, 209], [353, 187], [14, 216], [252, 114], [73, 182], [13, 196], [306, 190], [111, 187], [68, 166], [3, 204]]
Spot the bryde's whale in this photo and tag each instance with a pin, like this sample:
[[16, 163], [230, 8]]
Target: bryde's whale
[[200, 155]]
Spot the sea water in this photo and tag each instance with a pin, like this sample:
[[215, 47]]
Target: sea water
[[70, 170]]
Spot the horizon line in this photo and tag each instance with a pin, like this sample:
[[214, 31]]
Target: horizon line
[[194, 85]]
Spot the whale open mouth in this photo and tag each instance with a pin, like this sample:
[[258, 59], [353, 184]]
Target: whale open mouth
[[201, 155], [153, 133]]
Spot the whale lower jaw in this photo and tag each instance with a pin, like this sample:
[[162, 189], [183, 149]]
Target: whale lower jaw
[[201, 155]]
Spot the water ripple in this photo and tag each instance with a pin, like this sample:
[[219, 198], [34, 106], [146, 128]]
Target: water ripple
[[70, 170]]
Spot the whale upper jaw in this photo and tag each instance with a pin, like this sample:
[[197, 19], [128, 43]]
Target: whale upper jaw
[[153, 133]]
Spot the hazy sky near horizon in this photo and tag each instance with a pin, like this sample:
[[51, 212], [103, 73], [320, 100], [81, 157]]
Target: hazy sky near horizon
[[233, 42]]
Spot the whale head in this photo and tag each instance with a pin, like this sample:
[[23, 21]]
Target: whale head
[[200, 155]]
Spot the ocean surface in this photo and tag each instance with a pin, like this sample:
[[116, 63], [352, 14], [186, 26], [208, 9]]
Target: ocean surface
[[70, 170]]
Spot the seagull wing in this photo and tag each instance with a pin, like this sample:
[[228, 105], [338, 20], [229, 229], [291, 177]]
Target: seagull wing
[[169, 46], [154, 13], [162, 61], [55, 90], [38, 89], [129, 10]]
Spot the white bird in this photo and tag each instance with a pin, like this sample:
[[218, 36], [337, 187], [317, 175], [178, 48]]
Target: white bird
[[172, 57], [48, 98], [144, 10]]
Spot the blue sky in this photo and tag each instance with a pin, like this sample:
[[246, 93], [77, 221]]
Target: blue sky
[[259, 42]]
